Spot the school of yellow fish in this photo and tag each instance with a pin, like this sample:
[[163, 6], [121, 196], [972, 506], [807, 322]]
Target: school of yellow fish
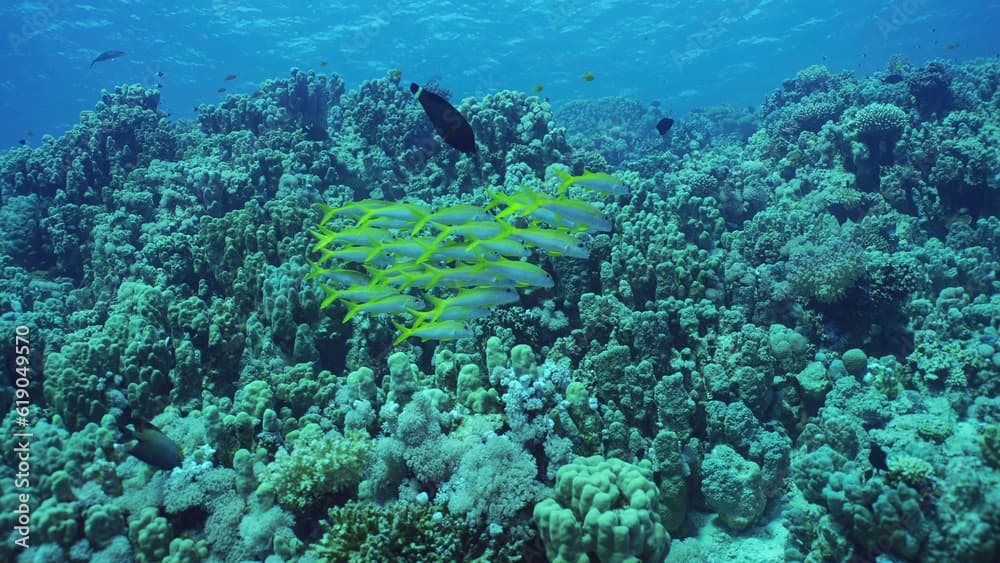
[[444, 268]]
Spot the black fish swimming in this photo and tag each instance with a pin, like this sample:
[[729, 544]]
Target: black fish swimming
[[107, 56], [893, 79], [152, 445], [664, 125], [878, 460], [448, 123]]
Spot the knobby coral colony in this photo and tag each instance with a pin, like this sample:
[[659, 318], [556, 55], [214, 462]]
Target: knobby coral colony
[[443, 269]]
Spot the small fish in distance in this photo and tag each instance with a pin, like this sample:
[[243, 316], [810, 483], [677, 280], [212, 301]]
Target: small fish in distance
[[447, 121], [664, 125], [230, 77], [107, 56], [893, 79]]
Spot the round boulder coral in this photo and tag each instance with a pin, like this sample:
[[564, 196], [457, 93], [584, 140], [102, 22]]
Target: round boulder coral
[[855, 362], [877, 123]]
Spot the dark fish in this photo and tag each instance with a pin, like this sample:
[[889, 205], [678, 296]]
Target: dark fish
[[316, 133], [230, 77], [878, 458], [159, 74], [221, 90], [954, 45], [538, 88], [256, 94], [153, 446], [664, 125], [448, 123], [22, 141], [107, 56], [893, 79], [588, 76], [322, 63]]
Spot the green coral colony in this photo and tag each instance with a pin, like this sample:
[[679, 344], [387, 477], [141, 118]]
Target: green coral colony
[[293, 331]]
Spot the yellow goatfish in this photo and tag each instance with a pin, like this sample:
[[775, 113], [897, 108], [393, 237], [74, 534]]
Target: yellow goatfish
[[600, 182], [392, 303], [440, 330]]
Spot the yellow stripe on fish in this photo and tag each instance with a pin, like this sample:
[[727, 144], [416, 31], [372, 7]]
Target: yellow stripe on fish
[[353, 209], [352, 235], [521, 273], [409, 212], [392, 303], [452, 215], [600, 182], [473, 298], [440, 330], [356, 293], [557, 211]]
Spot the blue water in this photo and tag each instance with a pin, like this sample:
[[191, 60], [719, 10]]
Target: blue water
[[683, 54]]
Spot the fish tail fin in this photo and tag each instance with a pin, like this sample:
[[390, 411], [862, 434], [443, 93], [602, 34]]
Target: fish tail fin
[[567, 180], [445, 233], [317, 270], [436, 275], [499, 198], [410, 280], [404, 332], [328, 212], [353, 308], [423, 258], [331, 296], [428, 250], [376, 250], [324, 235], [439, 306], [418, 316], [420, 224]]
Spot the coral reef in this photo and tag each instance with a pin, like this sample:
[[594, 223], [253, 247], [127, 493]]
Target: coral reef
[[788, 335]]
